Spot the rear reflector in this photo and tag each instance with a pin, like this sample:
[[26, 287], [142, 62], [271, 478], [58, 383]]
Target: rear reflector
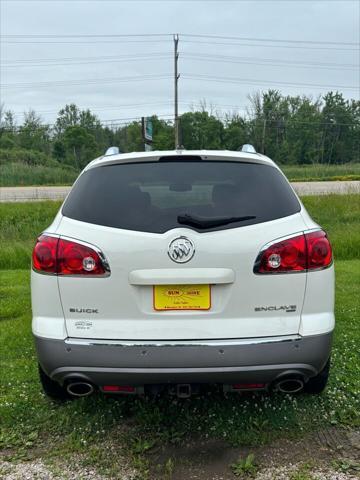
[[67, 257], [119, 388], [247, 386], [309, 251]]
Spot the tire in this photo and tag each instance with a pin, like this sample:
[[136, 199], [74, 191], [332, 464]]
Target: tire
[[52, 389], [318, 383]]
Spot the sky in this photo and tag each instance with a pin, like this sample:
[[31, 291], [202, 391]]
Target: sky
[[116, 56]]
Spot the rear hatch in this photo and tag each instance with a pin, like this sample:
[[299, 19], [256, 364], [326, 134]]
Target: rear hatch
[[181, 236]]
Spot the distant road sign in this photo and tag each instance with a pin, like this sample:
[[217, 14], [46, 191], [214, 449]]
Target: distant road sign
[[147, 129]]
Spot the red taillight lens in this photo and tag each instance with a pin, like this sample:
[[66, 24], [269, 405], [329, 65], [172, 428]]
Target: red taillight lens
[[319, 252], [44, 254], [66, 257], [301, 253], [77, 259], [286, 256]]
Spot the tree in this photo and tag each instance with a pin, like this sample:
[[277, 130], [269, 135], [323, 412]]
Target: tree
[[290, 129], [163, 134], [78, 141], [200, 130], [33, 135], [236, 132], [70, 122], [341, 120]]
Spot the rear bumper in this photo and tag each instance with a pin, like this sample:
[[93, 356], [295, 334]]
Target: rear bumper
[[211, 361]]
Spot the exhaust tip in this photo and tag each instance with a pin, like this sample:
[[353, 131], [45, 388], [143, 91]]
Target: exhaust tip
[[289, 385], [80, 389]]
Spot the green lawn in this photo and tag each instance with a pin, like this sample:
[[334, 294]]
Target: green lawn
[[33, 426], [316, 172], [90, 428]]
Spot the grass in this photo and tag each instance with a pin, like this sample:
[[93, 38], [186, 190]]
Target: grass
[[339, 215], [322, 172], [88, 429], [20, 174], [92, 426], [21, 223]]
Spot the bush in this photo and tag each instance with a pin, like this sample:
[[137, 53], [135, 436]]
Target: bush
[[20, 174], [21, 155]]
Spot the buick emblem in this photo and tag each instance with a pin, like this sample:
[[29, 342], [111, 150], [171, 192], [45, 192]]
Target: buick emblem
[[181, 250]]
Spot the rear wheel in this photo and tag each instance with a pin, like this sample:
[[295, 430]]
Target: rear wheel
[[52, 389], [318, 383]]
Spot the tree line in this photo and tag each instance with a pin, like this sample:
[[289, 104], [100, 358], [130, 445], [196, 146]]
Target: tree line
[[289, 129]]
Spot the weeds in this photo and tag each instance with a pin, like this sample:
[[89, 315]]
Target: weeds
[[323, 172], [21, 174], [245, 467]]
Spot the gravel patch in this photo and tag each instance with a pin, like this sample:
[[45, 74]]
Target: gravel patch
[[39, 471], [285, 472]]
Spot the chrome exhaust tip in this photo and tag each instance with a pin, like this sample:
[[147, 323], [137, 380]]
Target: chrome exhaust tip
[[80, 389], [289, 385]]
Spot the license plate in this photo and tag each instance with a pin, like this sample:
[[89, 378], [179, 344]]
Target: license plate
[[182, 297]]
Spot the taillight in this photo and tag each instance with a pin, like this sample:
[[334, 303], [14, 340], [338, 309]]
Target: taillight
[[77, 259], [67, 257], [319, 252], [44, 254], [303, 252]]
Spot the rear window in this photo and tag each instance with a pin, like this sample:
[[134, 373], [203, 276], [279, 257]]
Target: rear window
[[155, 196]]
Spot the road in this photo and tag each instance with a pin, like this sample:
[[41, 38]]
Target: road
[[30, 194]]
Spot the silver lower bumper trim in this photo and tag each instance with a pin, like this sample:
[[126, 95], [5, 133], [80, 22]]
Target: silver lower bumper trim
[[182, 343]]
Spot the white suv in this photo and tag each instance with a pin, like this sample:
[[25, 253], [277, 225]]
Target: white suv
[[182, 268]]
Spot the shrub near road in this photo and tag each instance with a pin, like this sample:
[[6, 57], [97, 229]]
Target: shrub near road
[[107, 434]]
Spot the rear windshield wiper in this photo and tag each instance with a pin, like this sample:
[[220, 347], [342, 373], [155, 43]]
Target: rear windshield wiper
[[209, 222]]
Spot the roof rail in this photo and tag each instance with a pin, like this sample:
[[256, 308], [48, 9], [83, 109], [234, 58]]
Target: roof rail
[[248, 148]]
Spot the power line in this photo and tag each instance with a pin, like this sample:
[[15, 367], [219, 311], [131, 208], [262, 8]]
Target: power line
[[86, 35], [166, 55], [172, 1], [85, 42], [85, 58], [103, 108], [96, 38], [144, 57], [85, 81], [264, 45], [285, 61], [268, 62], [263, 82], [274, 40], [223, 37], [166, 76]]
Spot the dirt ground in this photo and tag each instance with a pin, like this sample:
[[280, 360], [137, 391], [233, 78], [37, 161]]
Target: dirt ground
[[313, 454], [329, 454]]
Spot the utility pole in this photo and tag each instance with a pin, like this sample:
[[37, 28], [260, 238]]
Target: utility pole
[[176, 78], [263, 136]]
